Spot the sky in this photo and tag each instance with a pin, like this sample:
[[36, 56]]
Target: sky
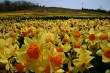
[[73, 4]]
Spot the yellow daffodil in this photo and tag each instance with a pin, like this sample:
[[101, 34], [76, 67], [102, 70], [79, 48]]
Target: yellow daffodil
[[83, 62], [104, 51]]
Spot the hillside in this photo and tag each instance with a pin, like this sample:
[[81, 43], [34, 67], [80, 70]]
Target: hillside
[[53, 11]]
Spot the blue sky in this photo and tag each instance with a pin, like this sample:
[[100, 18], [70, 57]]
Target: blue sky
[[74, 4]]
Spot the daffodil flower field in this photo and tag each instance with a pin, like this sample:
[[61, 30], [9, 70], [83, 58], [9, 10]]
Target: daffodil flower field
[[55, 46]]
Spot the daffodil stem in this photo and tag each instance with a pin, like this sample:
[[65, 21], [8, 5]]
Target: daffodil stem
[[87, 69], [108, 65]]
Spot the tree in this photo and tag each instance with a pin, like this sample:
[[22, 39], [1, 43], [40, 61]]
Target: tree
[[7, 5]]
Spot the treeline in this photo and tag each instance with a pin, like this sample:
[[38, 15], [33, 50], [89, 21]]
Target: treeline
[[96, 10], [7, 5]]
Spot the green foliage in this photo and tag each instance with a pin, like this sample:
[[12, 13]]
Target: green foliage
[[22, 18]]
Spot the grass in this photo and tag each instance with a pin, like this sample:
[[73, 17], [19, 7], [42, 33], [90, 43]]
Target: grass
[[53, 11]]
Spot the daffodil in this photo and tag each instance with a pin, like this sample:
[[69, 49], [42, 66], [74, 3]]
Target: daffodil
[[7, 53], [35, 54], [32, 55], [48, 45], [107, 71], [91, 37], [83, 62], [82, 50], [104, 51]]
